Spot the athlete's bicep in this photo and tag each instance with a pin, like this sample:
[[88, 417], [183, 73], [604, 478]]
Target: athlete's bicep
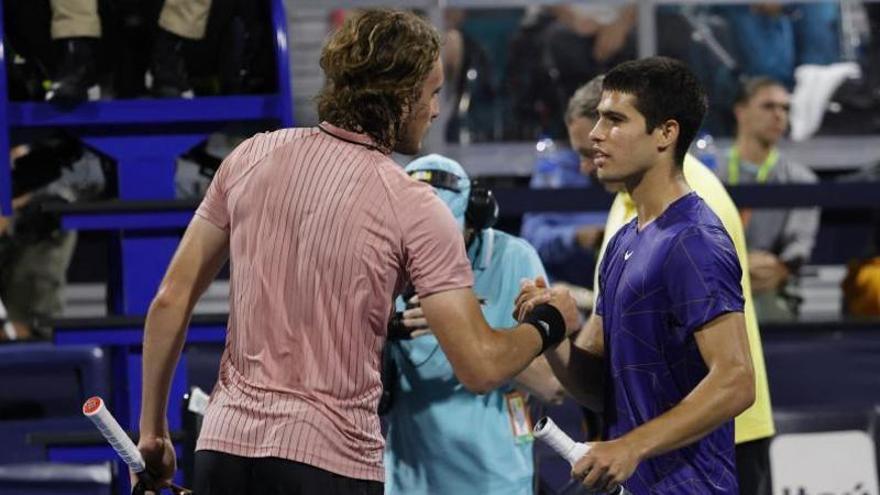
[[203, 250], [723, 342]]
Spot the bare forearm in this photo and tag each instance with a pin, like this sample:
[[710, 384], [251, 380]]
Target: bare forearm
[[500, 355], [717, 399], [484, 358], [581, 373], [164, 336], [202, 252], [540, 382]]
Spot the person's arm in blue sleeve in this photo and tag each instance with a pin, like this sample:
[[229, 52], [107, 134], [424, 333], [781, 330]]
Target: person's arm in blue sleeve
[[554, 236]]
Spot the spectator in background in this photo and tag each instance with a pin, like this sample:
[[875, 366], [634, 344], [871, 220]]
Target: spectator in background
[[872, 9], [772, 39], [493, 451], [35, 251], [780, 241], [557, 49], [76, 28], [469, 111], [8, 330]]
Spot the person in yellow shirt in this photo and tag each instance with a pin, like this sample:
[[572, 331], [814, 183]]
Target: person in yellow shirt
[[754, 427]]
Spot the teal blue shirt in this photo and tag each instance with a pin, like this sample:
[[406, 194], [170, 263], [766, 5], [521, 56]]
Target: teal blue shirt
[[441, 437]]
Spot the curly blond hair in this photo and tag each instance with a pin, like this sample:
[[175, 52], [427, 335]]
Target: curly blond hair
[[375, 66]]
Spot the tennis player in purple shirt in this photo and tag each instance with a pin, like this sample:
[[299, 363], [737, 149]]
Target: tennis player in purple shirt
[[665, 356]]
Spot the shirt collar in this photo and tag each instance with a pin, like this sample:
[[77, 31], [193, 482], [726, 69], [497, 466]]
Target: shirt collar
[[349, 136]]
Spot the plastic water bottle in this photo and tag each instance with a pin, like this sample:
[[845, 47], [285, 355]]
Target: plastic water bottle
[[547, 173], [706, 151]]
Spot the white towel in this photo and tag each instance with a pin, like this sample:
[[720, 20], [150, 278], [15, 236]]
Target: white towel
[[814, 85]]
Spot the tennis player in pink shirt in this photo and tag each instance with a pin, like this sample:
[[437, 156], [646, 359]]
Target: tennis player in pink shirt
[[322, 230]]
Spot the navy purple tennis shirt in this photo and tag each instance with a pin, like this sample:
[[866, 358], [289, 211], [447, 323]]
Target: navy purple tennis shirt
[[658, 287]]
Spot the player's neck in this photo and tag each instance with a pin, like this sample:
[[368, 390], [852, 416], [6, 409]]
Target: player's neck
[[753, 150], [658, 188]]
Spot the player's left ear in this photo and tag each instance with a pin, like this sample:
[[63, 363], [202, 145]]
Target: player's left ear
[[666, 135]]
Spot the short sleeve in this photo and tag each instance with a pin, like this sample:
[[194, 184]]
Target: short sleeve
[[702, 275], [214, 207], [436, 260]]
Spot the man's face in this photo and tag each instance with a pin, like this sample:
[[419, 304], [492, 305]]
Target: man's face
[[579, 137], [621, 147], [765, 115], [424, 110]]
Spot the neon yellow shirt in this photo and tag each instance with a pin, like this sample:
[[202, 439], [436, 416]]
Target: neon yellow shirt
[[757, 421]]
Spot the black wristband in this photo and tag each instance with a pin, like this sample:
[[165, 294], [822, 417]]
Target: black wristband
[[549, 323]]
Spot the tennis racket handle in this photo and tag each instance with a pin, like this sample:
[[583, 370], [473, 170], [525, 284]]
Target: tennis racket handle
[[97, 411], [547, 431]]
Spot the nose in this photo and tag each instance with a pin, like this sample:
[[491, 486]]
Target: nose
[[435, 107], [782, 113], [596, 133]]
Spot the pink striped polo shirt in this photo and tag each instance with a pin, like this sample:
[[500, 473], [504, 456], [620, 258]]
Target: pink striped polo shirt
[[323, 231]]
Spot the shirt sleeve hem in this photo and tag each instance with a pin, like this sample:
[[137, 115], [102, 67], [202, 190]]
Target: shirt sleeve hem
[[716, 313], [213, 221], [443, 288]]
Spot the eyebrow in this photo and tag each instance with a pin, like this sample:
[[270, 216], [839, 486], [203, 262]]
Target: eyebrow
[[612, 113], [773, 104]]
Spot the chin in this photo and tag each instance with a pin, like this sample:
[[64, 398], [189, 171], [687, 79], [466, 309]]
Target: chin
[[774, 137], [613, 187]]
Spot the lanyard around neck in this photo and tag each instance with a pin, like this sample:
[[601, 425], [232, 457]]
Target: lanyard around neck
[[733, 161]]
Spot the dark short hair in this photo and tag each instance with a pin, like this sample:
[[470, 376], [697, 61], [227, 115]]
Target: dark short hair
[[664, 89], [751, 86], [585, 100], [375, 66]]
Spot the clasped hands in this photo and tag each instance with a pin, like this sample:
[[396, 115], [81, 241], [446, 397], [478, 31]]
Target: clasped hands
[[535, 292]]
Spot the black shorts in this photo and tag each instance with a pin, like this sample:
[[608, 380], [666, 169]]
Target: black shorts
[[753, 467], [217, 473]]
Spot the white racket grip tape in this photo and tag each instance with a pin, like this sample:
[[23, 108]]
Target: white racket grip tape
[[547, 431], [95, 410]]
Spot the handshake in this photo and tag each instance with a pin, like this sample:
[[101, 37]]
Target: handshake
[[553, 311]]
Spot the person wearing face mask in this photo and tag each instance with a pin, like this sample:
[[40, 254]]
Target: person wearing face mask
[[441, 437]]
